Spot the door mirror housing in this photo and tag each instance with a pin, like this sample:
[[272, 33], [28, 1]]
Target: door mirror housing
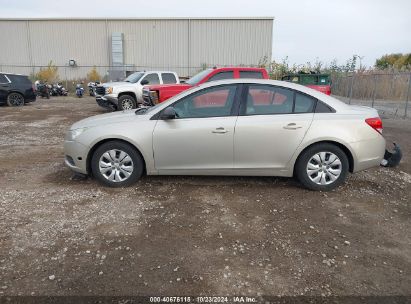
[[144, 82], [168, 113]]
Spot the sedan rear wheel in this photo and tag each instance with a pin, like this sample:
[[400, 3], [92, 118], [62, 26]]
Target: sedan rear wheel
[[322, 167], [15, 100], [117, 164]]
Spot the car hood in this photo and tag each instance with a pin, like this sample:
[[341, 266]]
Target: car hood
[[116, 84], [107, 119]]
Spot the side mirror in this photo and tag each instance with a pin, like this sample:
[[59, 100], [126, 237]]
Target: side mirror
[[168, 113], [144, 82]]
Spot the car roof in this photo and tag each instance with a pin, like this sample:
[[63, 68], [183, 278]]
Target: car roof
[[237, 68], [6, 73], [154, 72]]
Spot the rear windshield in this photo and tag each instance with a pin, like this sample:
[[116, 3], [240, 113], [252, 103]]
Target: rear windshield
[[308, 79], [20, 79]]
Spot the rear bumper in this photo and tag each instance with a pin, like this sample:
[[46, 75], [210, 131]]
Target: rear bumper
[[368, 153]]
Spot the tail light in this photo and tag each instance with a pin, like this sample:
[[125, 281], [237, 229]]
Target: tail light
[[33, 87], [375, 123]]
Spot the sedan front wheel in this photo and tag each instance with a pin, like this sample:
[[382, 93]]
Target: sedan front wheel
[[117, 164]]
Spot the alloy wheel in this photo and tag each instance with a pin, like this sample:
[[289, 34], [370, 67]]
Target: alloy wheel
[[127, 104], [16, 99]]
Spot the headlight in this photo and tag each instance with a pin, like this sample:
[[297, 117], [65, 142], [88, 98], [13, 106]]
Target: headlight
[[73, 134], [154, 96], [109, 90]]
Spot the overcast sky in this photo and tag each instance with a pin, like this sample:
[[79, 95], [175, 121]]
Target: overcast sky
[[303, 29]]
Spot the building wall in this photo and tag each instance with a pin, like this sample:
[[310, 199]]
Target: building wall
[[181, 45]]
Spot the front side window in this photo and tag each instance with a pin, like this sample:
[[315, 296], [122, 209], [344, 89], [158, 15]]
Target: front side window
[[267, 99], [168, 78], [152, 78], [210, 102], [221, 76]]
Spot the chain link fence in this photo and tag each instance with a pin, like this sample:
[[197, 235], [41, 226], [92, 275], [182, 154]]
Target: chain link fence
[[387, 92]]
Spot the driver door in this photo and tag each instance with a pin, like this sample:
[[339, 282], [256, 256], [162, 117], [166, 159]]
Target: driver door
[[200, 139]]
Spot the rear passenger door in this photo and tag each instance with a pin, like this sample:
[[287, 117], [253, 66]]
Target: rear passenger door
[[272, 123]]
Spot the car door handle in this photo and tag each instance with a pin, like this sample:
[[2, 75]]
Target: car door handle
[[220, 130], [292, 126]]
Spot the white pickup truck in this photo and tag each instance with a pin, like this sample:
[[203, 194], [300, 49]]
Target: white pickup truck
[[127, 94]]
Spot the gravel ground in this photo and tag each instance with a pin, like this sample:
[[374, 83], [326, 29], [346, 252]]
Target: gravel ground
[[192, 235]]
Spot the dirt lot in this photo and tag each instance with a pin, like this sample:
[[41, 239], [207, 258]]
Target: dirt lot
[[192, 235]]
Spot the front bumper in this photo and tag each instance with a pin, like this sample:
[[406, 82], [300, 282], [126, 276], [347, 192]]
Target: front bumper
[[76, 156], [107, 101]]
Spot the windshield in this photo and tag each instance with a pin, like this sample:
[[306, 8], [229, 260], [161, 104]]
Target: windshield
[[196, 78], [142, 111], [133, 78]]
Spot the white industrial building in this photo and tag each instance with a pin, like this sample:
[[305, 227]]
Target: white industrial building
[[184, 45]]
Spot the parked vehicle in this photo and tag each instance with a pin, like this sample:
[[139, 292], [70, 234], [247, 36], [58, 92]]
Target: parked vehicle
[[92, 87], [127, 94], [231, 127], [154, 94], [16, 90], [79, 91], [43, 90], [59, 90], [53, 90], [319, 82]]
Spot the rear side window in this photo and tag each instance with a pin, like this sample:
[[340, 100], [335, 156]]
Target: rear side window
[[221, 76], [309, 80], [251, 74], [323, 108], [152, 78], [304, 103], [3, 79], [168, 78], [19, 79], [266, 99]]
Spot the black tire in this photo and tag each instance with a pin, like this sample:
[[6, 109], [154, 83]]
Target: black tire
[[306, 156], [137, 163], [15, 100], [126, 102]]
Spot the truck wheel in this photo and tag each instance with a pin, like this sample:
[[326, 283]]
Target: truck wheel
[[15, 100], [126, 102], [117, 164], [322, 167]]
